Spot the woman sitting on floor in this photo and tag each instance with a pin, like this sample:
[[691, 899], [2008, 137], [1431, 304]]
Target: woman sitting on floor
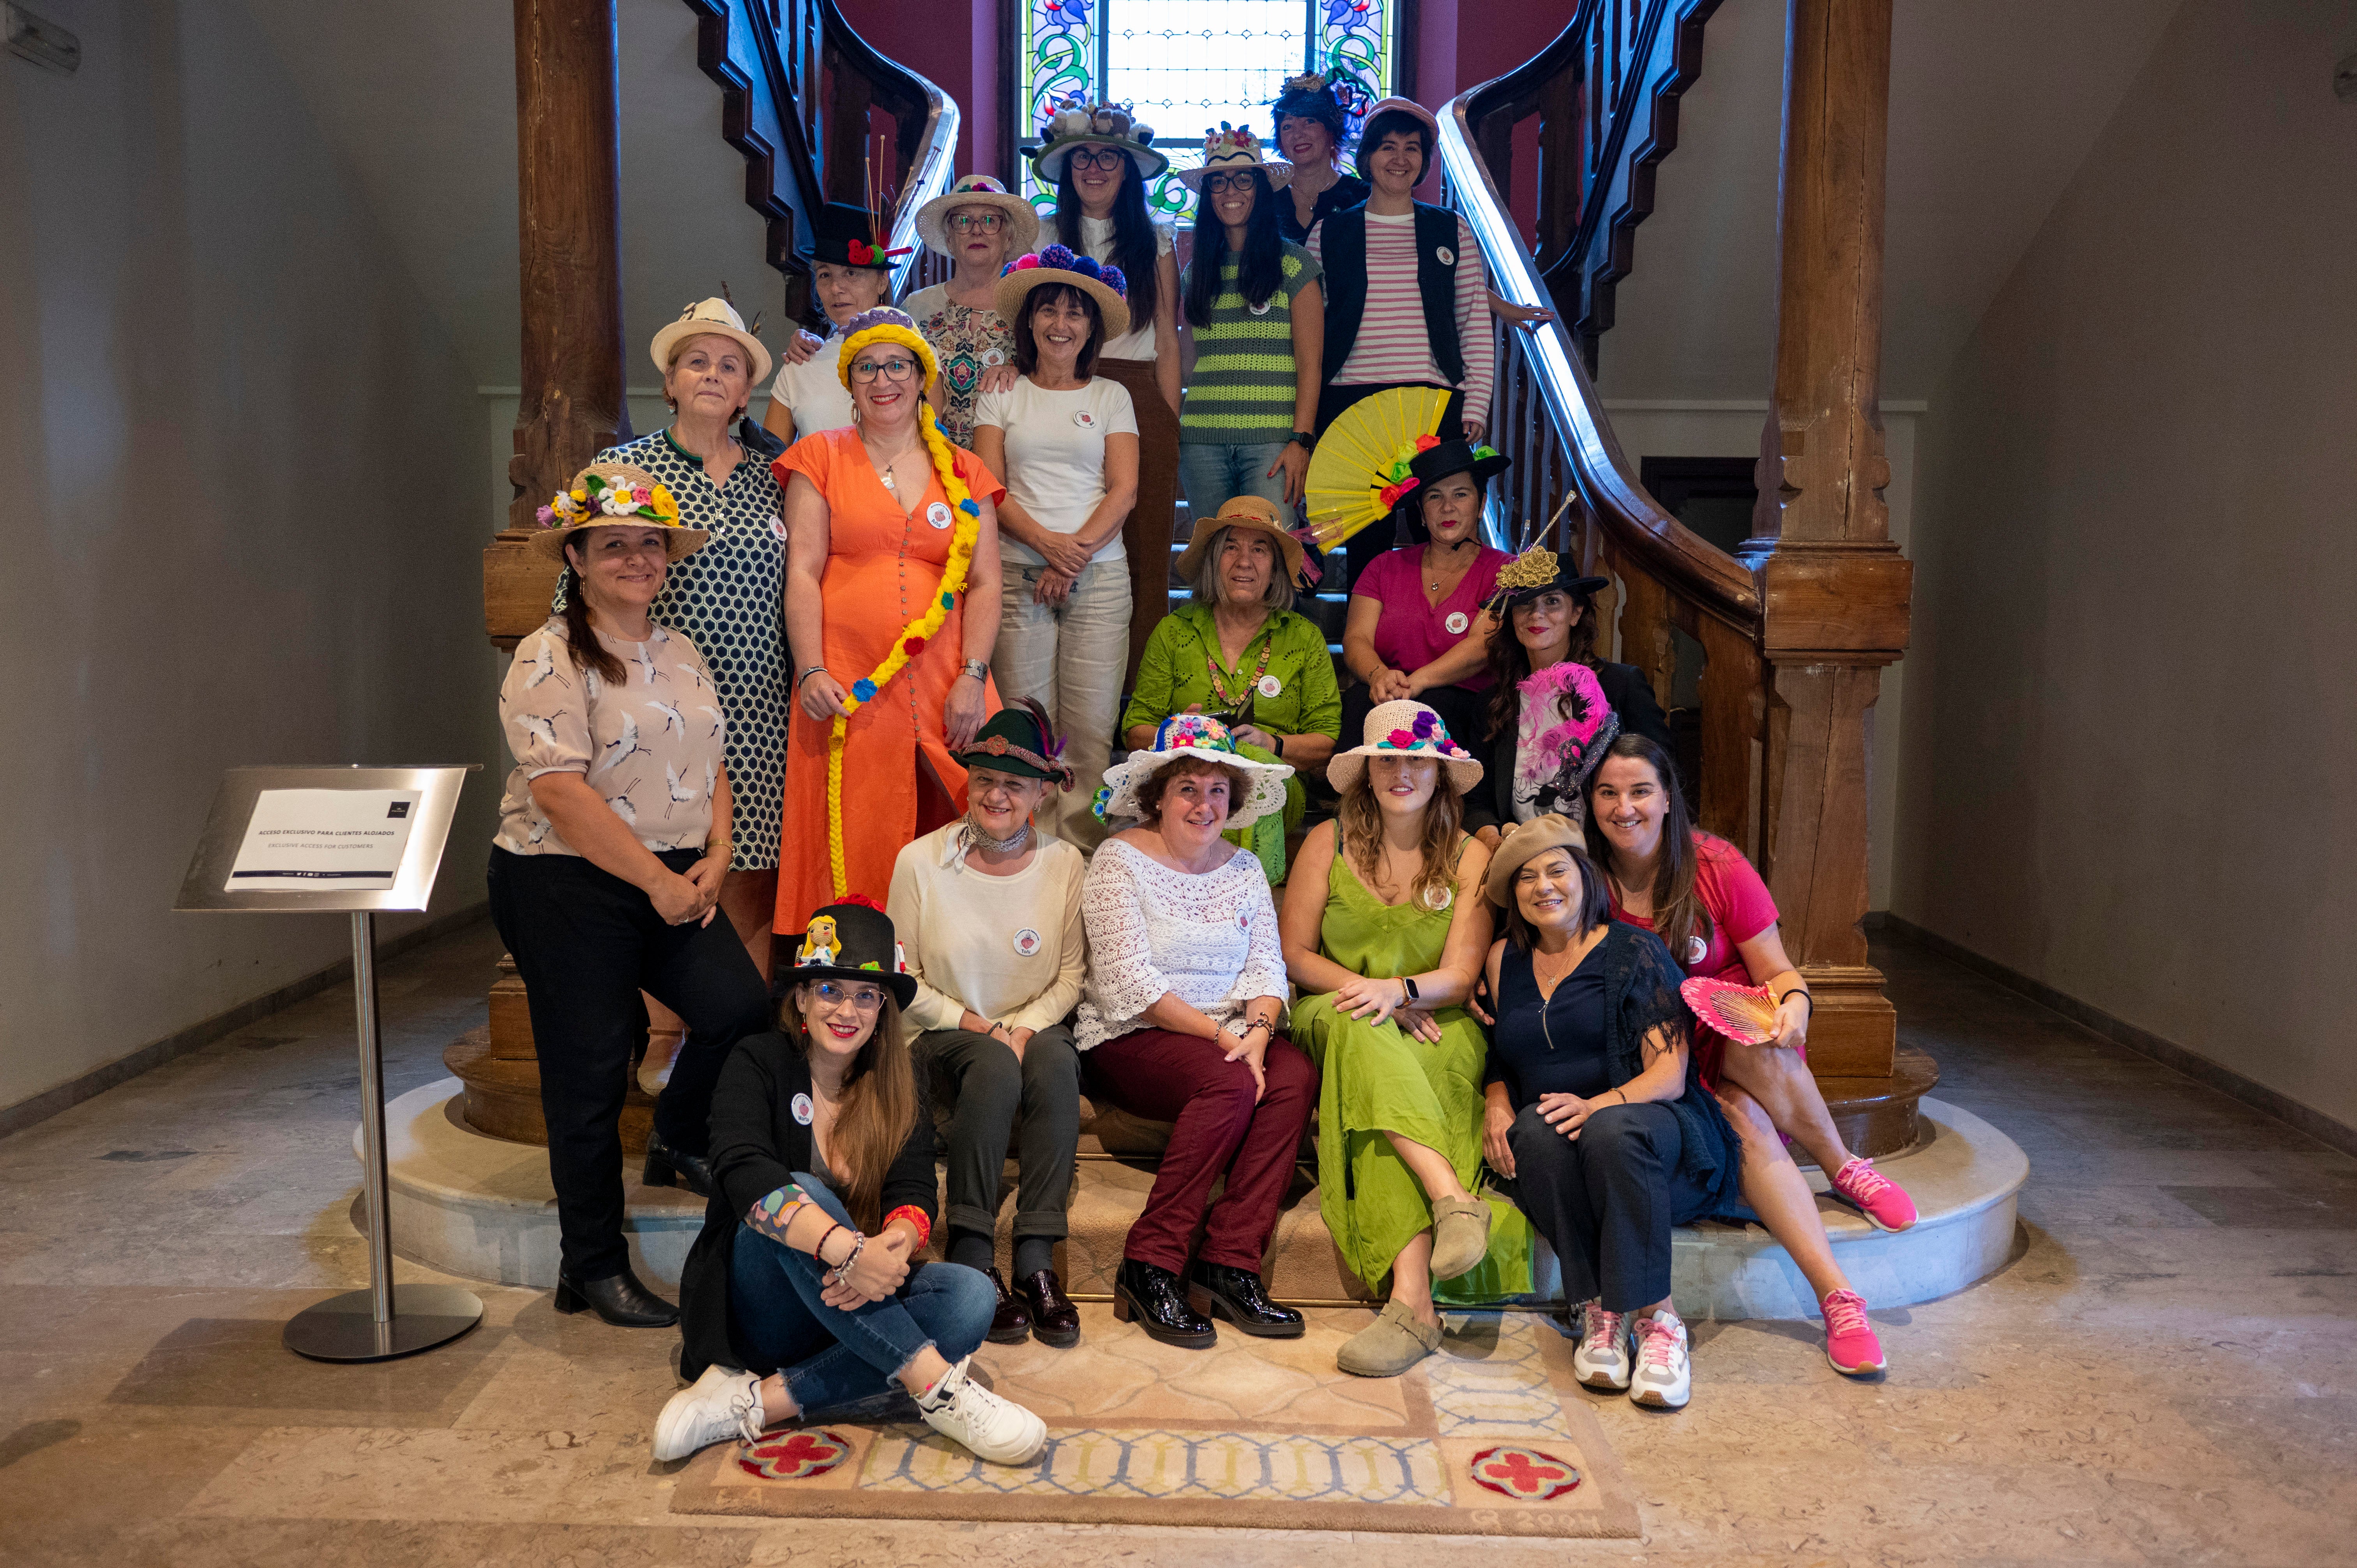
[[1384, 929], [1179, 1024], [1703, 898], [1609, 1141], [988, 910], [801, 1296]]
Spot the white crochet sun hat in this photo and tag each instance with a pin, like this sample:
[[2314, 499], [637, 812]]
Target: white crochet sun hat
[[1199, 736]]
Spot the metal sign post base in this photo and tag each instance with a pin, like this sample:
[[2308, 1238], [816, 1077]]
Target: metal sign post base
[[346, 1328]]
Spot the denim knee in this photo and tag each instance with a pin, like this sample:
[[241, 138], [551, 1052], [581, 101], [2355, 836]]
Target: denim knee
[[968, 1301]]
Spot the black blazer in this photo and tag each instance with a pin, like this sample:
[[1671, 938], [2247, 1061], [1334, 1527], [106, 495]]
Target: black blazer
[[757, 1145], [1631, 696]]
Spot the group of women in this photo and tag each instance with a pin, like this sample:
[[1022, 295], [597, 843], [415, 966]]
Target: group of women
[[1471, 990]]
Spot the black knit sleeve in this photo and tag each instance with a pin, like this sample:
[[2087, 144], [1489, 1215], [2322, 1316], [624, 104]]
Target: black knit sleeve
[[747, 1164]]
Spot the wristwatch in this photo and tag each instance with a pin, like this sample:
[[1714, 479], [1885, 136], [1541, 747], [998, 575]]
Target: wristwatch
[[975, 667], [1408, 986], [1308, 441]]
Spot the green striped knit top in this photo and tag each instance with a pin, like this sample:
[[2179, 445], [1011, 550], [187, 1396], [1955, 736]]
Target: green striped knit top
[[1241, 393]]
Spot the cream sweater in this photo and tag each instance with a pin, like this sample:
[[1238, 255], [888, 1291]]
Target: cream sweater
[[1011, 949]]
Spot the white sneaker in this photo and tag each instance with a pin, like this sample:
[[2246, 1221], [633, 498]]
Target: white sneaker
[[990, 1427], [1663, 1378], [1602, 1359], [722, 1404]]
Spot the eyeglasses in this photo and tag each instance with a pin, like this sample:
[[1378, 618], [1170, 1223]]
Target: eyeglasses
[[980, 222], [1221, 184], [866, 998], [894, 370], [1104, 158]]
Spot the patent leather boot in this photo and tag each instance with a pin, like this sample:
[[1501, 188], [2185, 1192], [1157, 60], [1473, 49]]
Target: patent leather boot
[[1158, 1302]]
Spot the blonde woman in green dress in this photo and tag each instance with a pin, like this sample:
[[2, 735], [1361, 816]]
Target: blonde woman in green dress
[[1384, 928]]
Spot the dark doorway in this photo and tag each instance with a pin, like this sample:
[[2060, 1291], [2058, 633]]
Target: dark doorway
[[1713, 497]]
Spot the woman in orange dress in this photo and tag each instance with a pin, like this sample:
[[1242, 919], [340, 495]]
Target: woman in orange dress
[[892, 608]]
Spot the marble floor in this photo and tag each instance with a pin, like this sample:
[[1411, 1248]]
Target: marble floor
[[2167, 1372]]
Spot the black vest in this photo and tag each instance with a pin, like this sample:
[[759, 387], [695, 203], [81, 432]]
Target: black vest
[[1343, 255]]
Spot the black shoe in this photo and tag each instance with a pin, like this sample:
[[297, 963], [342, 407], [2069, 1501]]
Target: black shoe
[[664, 1163], [1010, 1324], [1238, 1295], [1055, 1321], [1156, 1300], [619, 1299]]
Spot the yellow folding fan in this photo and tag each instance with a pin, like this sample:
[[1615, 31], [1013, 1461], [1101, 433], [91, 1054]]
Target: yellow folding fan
[[1359, 468]]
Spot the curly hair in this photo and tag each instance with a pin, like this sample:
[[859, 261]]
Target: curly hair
[[1359, 827]]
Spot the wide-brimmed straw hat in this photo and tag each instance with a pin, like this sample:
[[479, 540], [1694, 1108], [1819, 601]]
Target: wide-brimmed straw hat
[[1197, 735], [1404, 729], [714, 316], [1251, 513], [1101, 282], [1525, 842], [1234, 147], [1022, 227], [613, 495], [1075, 124], [852, 940]]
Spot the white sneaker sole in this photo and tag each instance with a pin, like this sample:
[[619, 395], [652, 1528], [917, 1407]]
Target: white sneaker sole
[[1604, 1382], [1656, 1399], [1867, 1371]]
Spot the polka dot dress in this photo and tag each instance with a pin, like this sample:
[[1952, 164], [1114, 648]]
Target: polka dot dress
[[730, 598]]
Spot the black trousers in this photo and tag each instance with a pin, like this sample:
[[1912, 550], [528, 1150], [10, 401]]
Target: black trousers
[[1605, 1201], [1376, 537], [1462, 711], [988, 1091], [586, 943]]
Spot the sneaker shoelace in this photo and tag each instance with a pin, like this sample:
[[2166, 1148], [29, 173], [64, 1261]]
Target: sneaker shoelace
[[1603, 1332], [1659, 1343], [1862, 1181], [1845, 1313], [746, 1406]]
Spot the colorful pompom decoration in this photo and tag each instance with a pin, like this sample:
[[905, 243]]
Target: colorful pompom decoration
[[1114, 278], [1058, 256], [1085, 265]]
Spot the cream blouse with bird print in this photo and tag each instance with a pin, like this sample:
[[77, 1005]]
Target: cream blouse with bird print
[[651, 747]]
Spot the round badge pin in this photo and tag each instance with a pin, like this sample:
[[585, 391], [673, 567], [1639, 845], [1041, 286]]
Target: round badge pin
[[802, 1108], [1084, 419], [1697, 950], [938, 514], [1447, 257], [1260, 309], [1457, 622], [1026, 942], [1269, 686]]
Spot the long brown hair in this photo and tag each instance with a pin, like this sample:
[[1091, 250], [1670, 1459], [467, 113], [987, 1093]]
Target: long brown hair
[[879, 1106], [588, 654], [1509, 663], [1678, 912], [1361, 824]]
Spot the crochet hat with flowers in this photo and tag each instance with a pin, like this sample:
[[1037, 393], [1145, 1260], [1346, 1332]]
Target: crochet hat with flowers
[[1233, 147], [1404, 729], [1101, 281], [1193, 734], [610, 495]]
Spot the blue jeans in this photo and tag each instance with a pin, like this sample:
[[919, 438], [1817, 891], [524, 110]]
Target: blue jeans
[[831, 1358], [1216, 474]]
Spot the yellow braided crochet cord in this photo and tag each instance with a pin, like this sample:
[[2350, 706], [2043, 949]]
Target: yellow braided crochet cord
[[954, 571]]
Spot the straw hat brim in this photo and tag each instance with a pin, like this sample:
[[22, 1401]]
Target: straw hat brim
[[1022, 220], [1526, 842], [1344, 768], [1190, 561], [1049, 160], [1279, 173], [676, 331], [1267, 794], [1017, 286], [678, 542]]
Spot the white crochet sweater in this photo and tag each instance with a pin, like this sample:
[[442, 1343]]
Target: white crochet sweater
[[1212, 938]]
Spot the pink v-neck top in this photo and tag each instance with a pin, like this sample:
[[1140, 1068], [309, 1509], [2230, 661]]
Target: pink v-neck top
[[1411, 631]]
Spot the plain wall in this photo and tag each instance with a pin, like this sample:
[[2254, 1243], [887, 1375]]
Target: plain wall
[[241, 457], [2130, 734]]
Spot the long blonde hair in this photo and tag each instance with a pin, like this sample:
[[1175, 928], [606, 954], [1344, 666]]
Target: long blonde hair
[[878, 1107], [1361, 824]]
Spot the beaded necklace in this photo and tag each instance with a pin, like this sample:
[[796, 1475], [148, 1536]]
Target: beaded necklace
[[1230, 701]]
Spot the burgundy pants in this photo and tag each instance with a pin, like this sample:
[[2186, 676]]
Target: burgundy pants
[[1180, 1078]]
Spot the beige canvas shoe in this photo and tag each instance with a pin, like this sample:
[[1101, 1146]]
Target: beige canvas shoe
[[1389, 1346]]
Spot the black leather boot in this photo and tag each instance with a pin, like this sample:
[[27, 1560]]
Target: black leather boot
[[1158, 1302], [665, 1164], [1238, 1295], [619, 1299], [1054, 1319]]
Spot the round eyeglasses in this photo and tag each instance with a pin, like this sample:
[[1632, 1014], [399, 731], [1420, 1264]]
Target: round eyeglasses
[[832, 995], [1221, 184], [893, 369], [1100, 158], [977, 222]]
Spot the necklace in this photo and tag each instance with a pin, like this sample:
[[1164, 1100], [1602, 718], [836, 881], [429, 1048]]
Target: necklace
[[1230, 701], [1432, 585], [976, 839]]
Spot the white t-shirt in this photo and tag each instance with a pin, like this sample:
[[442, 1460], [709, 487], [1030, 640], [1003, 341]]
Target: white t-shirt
[[1137, 343], [1055, 453], [814, 392]]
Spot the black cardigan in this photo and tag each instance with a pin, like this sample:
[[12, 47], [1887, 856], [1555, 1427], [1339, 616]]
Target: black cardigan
[[757, 1145], [1631, 696]]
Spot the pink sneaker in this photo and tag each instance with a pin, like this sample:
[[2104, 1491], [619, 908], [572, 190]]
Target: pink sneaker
[[1850, 1342], [1884, 1203]]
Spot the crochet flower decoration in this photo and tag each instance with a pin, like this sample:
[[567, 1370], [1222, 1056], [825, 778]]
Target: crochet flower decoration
[[1189, 732], [1426, 736], [596, 495]]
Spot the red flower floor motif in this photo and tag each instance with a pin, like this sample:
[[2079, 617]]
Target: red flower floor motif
[[1523, 1473], [794, 1455]]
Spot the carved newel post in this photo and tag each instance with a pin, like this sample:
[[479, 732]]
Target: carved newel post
[[1833, 587]]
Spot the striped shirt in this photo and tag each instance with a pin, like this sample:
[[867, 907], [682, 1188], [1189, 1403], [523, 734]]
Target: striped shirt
[[1242, 391], [1393, 344]]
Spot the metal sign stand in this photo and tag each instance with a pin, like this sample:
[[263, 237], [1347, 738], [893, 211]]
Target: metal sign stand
[[385, 1320]]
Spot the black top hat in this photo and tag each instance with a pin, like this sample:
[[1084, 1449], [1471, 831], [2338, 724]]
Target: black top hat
[[1458, 457], [851, 941], [845, 235]]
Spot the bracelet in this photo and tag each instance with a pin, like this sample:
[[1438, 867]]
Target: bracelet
[[916, 1216], [1623, 1094], [1801, 992], [819, 1250], [858, 1245], [807, 675]]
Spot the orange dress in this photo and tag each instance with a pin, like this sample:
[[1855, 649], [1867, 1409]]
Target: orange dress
[[883, 570]]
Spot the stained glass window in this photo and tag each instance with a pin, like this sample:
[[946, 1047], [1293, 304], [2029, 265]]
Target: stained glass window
[[1185, 65]]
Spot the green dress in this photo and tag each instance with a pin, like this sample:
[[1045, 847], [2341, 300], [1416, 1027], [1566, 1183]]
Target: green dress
[[1375, 1078]]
